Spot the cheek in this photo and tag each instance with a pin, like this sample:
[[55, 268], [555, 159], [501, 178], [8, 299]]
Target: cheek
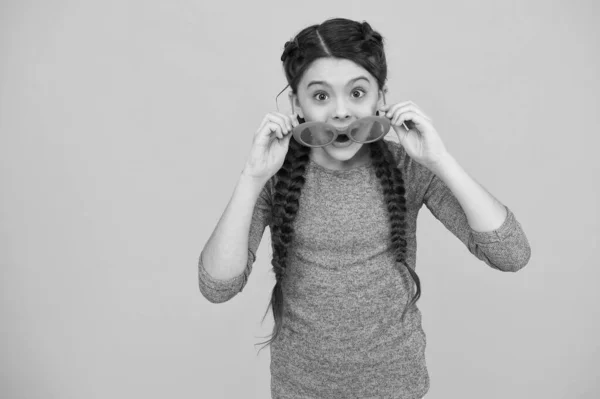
[[314, 115]]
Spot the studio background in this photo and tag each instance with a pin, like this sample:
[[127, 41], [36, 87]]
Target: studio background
[[124, 126]]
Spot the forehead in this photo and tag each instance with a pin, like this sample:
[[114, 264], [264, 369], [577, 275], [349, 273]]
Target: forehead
[[335, 71]]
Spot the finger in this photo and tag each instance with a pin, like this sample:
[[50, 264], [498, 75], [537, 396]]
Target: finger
[[419, 111], [295, 121], [412, 116], [284, 120], [262, 125], [407, 124], [286, 139], [274, 129], [392, 113], [406, 106], [398, 109], [413, 108], [390, 107], [271, 118]]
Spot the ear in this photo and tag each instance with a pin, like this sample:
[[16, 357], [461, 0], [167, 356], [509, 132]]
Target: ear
[[380, 98], [295, 104]]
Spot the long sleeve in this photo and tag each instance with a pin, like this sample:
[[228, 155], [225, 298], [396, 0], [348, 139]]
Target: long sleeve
[[218, 291], [506, 248]]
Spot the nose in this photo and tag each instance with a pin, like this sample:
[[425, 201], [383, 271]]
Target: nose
[[341, 110]]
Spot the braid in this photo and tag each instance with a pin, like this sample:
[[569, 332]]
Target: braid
[[290, 180], [357, 42], [394, 192]]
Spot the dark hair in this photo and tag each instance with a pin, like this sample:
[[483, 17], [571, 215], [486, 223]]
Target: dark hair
[[358, 42]]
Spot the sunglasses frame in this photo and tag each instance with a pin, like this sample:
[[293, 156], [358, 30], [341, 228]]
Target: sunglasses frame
[[297, 131]]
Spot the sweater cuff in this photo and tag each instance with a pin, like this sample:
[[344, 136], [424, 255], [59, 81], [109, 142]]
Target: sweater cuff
[[506, 229], [211, 284]]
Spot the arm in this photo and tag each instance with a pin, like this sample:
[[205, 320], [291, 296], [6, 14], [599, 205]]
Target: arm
[[226, 260], [488, 228], [484, 212]]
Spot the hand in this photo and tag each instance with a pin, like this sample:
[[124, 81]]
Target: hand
[[421, 141], [270, 145]]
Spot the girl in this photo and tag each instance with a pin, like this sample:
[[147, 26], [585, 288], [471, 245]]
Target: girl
[[342, 216]]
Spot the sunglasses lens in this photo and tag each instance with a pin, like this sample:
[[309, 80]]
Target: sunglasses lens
[[317, 135], [367, 131]]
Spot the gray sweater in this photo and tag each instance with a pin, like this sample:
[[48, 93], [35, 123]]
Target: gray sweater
[[342, 336]]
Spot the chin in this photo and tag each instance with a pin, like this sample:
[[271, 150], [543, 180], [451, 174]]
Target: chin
[[343, 154]]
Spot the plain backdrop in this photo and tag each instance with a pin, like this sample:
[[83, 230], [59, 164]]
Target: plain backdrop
[[124, 126]]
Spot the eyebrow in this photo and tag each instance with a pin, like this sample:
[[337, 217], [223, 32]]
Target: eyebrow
[[315, 82]]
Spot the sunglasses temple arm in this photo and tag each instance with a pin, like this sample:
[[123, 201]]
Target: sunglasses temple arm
[[276, 103]]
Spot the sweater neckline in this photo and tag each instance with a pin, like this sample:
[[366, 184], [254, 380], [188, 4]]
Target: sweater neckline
[[339, 172]]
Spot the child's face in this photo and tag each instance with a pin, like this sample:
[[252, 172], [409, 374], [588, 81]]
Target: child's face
[[339, 99]]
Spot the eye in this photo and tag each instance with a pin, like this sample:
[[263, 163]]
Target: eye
[[359, 91], [319, 94]]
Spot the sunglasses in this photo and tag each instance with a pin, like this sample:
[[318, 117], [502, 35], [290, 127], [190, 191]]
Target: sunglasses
[[320, 134]]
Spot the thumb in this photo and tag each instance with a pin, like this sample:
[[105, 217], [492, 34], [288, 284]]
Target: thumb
[[401, 136], [285, 141], [287, 138]]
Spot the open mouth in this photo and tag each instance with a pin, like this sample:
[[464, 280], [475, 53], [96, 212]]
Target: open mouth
[[342, 138]]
